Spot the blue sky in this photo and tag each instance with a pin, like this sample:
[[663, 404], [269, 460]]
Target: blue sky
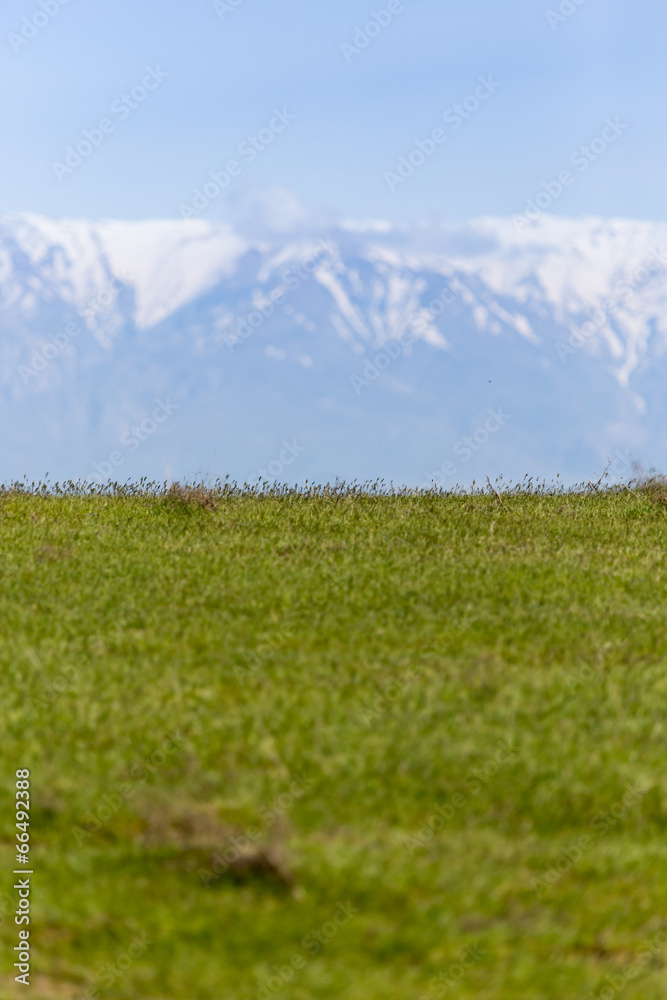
[[355, 112]]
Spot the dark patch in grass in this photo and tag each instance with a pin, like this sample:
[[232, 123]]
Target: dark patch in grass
[[265, 863], [194, 496]]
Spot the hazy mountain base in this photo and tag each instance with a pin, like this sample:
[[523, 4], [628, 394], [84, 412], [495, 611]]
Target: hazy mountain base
[[337, 743]]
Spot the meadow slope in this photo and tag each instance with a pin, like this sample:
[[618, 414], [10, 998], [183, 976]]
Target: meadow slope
[[337, 746]]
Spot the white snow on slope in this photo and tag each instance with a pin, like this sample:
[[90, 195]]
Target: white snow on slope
[[168, 263], [556, 270]]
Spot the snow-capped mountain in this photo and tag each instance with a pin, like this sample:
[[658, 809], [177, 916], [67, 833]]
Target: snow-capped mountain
[[178, 348]]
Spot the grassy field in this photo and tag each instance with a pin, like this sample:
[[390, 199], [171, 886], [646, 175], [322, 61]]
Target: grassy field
[[337, 746]]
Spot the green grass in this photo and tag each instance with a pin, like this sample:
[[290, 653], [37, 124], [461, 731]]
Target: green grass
[[381, 649]]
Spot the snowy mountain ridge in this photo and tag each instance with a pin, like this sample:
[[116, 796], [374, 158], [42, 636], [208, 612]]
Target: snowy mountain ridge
[[418, 312]]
